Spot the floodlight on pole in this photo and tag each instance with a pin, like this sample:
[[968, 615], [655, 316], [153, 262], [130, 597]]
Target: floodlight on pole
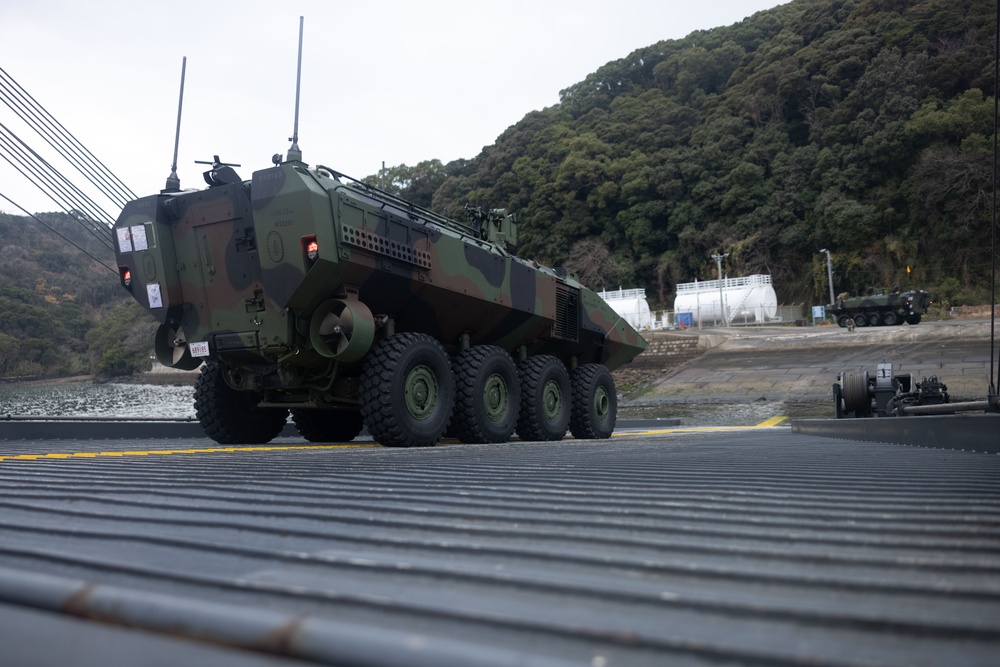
[[829, 273], [722, 306]]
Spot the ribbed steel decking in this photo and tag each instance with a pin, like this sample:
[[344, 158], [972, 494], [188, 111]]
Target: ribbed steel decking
[[759, 546]]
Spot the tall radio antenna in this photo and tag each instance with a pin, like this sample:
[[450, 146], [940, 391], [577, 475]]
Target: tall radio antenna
[[294, 153], [173, 182], [994, 387]]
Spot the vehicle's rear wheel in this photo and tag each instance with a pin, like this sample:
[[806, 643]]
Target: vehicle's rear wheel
[[233, 417], [407, 391], [327, 425], [913, 319], [889, 319], [843, 320], [487, 395], [860, 320], [595, 404], [874, 319], [545, 399]]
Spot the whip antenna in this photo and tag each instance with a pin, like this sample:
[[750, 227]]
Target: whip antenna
[[173, 182], [994, 388], [294, 153]]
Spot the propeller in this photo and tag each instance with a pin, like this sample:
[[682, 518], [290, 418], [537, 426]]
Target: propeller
[[337, 330], [172, 350], [343, 330]]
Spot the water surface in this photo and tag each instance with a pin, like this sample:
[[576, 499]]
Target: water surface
[[86, 399]]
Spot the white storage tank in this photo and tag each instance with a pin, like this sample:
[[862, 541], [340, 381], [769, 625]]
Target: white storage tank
[[746, 299], [631, 305]]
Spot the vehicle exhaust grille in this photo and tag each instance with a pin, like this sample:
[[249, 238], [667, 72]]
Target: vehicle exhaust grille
[[567, 313]]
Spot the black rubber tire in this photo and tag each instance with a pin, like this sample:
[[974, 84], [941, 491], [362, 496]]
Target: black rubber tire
[[546, 399], [842, 321], [487, 395], [890, 319], [396, 417], [855, 393], [327, 425], [232, 417], [874, 320], [913, 319], [595, 404], [860, 320]]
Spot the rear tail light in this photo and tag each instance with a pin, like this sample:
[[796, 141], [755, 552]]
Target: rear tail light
[[312, 248]]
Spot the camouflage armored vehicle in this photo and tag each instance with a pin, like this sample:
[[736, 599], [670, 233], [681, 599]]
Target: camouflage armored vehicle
[[877, 309], [303, 291]]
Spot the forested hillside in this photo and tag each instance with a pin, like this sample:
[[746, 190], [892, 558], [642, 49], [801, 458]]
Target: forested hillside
[[62, 312], [861, 126]]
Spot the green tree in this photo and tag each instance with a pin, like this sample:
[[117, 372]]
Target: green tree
[[121, 343]]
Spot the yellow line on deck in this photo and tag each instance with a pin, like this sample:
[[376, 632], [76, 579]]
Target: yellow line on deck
[[773, 421], [168, 452]]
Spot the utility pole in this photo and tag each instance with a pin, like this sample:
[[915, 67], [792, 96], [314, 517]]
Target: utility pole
[[722, 307], [829, 273]]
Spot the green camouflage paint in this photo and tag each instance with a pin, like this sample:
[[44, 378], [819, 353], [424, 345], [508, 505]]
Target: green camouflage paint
[[882, 309], [227, 272]]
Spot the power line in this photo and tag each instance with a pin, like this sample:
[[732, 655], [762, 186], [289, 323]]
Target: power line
[[54, 185], [57, 233], [64, 142]]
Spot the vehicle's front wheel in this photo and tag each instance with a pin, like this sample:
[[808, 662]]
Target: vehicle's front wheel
[[407, 391], [595, 404], [232, 417]]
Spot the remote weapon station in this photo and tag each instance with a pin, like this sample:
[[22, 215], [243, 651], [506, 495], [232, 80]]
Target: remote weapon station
[[304, 291]]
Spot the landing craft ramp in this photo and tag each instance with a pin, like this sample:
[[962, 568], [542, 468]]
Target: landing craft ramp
[[746, 546]]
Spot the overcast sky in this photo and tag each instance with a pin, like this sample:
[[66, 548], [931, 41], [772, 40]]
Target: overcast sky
[[391, 80]]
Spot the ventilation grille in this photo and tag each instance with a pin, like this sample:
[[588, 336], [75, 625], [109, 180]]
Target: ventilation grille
[[567, 313], [382, 245]]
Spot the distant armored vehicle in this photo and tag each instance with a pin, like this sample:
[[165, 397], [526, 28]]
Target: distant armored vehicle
[[877, 309], [347, 306]]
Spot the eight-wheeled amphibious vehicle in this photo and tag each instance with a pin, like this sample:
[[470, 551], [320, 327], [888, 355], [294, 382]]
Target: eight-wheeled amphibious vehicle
[[301, 290], [878, 309]]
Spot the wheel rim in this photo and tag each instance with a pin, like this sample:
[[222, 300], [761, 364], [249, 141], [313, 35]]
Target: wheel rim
[[421, 389], [551, 400], [495, 397], [602, 404]]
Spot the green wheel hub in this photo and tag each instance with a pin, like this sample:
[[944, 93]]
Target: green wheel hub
[[421, 390], [495, 397], [551, 400], [602, 404]]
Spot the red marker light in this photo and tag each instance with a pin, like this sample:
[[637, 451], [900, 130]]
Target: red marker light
[[126, 274], [312, 250]]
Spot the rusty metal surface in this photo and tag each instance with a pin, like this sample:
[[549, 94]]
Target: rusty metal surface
[[759, 546]]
